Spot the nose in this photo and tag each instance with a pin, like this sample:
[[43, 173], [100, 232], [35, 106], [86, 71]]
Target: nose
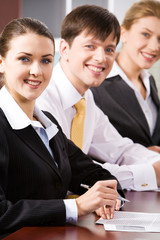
[[99, 55], [35, 69], [154, 44]]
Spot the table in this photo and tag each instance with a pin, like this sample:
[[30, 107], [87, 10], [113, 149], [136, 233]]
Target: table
[[86, 229]]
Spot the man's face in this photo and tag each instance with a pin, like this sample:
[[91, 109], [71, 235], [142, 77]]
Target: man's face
[[88, 61]]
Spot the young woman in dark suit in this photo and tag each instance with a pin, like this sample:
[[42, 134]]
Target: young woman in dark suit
[[128, 96], [38, 164]]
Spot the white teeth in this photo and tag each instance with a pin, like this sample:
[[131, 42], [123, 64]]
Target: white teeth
[[148, 55], [95, 69], [33, 83]]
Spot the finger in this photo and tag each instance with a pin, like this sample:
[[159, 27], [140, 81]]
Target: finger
[[98, 212], [110, 184], [107, 211], [118, 204]]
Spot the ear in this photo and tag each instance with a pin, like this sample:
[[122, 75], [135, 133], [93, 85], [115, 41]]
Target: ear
[[64, 49], [1, 65], [123, 35]]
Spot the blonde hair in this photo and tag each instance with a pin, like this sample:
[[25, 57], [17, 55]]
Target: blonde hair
[[141, 9]]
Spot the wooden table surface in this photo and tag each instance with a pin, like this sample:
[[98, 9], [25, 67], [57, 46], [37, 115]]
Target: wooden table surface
[[86, 229]]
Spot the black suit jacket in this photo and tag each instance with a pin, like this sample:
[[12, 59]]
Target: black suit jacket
[[31, 185], [118, 101]]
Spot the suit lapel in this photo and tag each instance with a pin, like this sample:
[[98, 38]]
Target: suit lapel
[[155, 98], [122, 92], [33, 141], [154, 93]]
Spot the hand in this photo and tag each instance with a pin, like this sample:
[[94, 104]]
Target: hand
[[106, 212], [103, 195], [156, 166], [155, 148]]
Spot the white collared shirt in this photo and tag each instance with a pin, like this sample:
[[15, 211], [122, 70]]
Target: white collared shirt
[[147, 105], [101, 139], [20, 120]]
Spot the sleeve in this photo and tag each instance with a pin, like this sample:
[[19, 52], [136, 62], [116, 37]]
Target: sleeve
[[71, 210], [85, 171], [130, 177], [110, 147], [82, 167]]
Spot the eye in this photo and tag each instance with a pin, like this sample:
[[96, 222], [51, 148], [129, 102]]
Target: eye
[[24, 59], [46, 60], [146, 34], [89, 46], [110, 50]]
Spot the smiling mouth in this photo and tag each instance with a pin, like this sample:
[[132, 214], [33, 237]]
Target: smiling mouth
[[149, 56], [96, 69], [33, 83]]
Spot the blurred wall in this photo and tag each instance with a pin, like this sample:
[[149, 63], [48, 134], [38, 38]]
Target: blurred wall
[[9, 9]]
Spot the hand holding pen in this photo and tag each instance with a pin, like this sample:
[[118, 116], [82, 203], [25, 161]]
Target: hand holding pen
[[118, 197], [101, 197]]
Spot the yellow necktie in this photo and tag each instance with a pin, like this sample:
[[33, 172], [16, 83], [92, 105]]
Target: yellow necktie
[[77, 128]]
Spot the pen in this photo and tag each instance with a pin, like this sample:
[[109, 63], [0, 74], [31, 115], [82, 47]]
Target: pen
[[119, 197]]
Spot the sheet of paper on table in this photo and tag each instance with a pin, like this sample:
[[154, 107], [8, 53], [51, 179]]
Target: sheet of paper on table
[[132, 222]]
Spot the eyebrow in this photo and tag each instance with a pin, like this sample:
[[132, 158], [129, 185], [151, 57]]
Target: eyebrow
[[29, 54], [93, 41], [147, 29], [112, 45]]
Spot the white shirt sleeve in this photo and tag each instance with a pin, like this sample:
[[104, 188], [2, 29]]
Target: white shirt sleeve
[[71, 210], [134, 177], [131, 163]]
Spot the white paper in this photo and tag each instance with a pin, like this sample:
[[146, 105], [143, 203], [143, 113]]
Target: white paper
[[132, 222]]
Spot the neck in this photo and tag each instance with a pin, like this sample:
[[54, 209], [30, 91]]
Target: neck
[[27, 107], [132, 72], [77, 83], [127, 65]]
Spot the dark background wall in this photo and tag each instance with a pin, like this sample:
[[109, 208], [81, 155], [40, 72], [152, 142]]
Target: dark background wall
[[9, 9]]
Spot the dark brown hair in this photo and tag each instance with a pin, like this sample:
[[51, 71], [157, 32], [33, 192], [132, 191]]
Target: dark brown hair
[[19, 27], [95, 20]]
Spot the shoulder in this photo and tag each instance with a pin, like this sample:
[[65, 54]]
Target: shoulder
[[5, 130], [3, 120]]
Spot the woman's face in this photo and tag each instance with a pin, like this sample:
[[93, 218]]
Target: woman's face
[[141, 43], [28, 65]]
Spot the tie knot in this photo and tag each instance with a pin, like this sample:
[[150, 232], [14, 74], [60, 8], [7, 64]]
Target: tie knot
[[80, 106]]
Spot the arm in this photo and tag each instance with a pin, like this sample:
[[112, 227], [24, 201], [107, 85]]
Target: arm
[[130, 158], [85, 171]]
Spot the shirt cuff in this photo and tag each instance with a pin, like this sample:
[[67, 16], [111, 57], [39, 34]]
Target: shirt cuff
[[146, 180], [71, 210]]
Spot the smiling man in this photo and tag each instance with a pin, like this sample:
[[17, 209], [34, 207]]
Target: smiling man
[[87, 50]]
